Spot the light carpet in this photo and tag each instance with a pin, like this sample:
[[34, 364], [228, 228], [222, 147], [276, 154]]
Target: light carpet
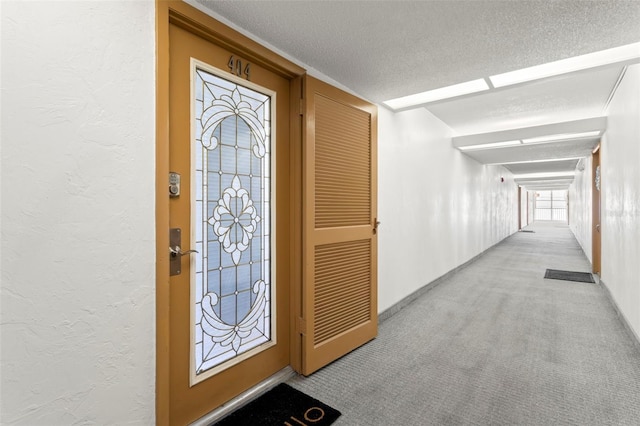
[[495, 344]]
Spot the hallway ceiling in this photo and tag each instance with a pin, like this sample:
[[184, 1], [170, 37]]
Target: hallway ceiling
[[387, 49]]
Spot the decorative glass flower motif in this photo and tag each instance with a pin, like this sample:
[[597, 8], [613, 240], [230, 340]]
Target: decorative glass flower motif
[[227, 106], [232, 334], [234, 220]]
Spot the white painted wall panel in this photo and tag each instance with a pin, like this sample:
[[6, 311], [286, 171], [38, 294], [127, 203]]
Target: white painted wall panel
[[438, 207], [523, 209], [580, 207], [620, 165], [620, 221], [78, 255]]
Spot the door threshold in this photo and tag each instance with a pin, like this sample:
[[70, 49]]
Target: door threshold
[[245, 397]]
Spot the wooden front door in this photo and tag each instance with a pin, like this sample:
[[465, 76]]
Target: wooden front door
[[519, 208], [339, 290], [225, 326]]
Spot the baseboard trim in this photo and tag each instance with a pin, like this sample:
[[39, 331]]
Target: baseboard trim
[[400, 305], [625, 323], [246, 397]]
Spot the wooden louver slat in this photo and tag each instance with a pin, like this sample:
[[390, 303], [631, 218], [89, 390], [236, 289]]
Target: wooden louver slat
[[343, 298], [342, 165]]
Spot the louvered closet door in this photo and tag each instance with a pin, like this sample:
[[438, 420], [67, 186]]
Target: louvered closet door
[[340, 243]]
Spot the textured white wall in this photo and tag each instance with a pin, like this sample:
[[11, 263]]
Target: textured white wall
[[524, 221], [531, 206], [580, 207], [78, 253], [438, 207], [620, 221], [620, 165]]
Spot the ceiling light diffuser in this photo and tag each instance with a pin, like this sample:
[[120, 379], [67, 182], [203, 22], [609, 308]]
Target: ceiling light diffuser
[[489, 145], [550, 160], [624, 53], [469, 87], [545, 175], [562, 136]]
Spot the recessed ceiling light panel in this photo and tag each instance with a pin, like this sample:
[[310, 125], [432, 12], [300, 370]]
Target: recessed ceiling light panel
[[562, 137], [489, 145], [550, 160], [620, 54], [469, 87], [545, 175]]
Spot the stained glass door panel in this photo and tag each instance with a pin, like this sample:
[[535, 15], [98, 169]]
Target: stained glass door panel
[[231, 278]]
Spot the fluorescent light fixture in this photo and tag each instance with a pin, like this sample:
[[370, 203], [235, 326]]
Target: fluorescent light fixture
[[545, 175], [489, 145], [591, 60], [469, 87], [562, 136], [535, 161]]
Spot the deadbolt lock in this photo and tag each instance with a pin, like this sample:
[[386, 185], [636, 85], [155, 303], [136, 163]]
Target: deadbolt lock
[[174, 184]]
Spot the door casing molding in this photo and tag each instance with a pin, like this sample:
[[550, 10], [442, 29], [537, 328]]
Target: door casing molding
[[596, 214]]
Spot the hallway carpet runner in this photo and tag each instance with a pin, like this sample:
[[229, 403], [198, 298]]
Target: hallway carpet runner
[[281, 406]]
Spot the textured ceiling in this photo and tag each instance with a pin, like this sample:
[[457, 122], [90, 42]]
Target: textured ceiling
[[388, 49]]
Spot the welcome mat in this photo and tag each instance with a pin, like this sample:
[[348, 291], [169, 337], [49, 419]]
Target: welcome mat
[[282, 406], [527, 230], [582, 277]]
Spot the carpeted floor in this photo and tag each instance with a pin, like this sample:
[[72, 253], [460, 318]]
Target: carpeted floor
[[496, 344]]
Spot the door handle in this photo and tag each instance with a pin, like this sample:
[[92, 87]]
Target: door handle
[[177, 251], [598, 227], [376, 223]]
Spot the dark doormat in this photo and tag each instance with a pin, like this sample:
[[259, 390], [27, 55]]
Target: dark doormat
[[582, 277], [281, 406], [527, 230]]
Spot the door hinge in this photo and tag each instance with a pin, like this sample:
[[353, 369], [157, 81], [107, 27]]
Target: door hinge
[[301, 326]]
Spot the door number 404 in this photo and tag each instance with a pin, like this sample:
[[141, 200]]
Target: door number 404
[[236, 67]]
